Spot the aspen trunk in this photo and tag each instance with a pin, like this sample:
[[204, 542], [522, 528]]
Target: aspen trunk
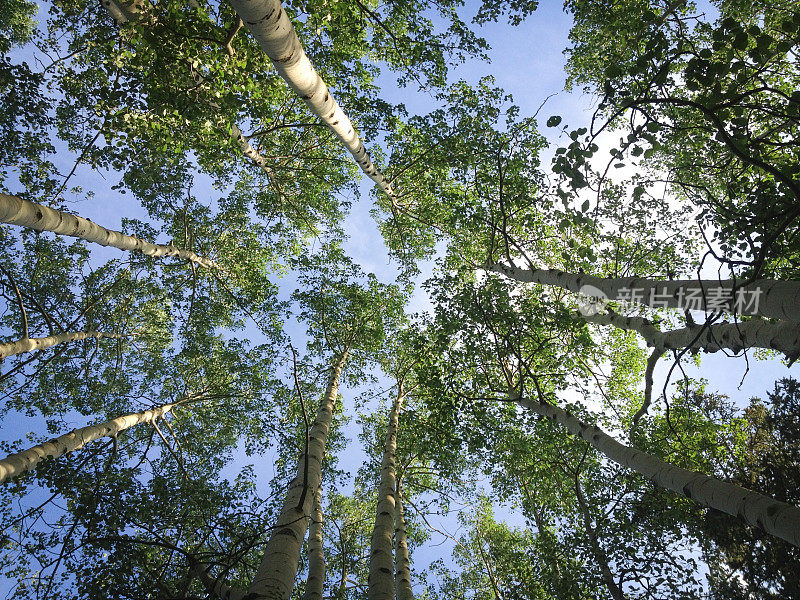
[[755, 333], [31, 344], [123, 11], [316, 556], [402, 562], [489, 572], [217, 588], [17, 211], [380, 582], [116, 12], [649, 371], [542, 530], [275, 577], [599, 554], [764, 297], [270, 25], [19, 463], [774, 517]]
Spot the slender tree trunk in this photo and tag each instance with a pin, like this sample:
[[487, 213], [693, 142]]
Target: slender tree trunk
[[116, 12], [19, 463], [381, 582], [341, 589], [401, 560], [31, 344], [271, 26], [599, 554], [489, 571], [763, 297], [316, 556], [17, 211], [276, 574], [542, 530], [755, 333], [129, 10], [774, 517], [217, 588], [649, 371]]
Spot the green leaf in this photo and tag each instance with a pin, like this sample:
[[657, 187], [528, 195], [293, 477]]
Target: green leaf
[[739, 41]]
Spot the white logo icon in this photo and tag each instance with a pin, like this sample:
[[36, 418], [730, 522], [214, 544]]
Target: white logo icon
[[591, 300]]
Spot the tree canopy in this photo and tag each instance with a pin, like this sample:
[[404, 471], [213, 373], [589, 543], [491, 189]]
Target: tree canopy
[[300, 302]]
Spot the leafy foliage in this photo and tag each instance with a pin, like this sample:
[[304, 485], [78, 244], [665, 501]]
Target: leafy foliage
[[181, 111]]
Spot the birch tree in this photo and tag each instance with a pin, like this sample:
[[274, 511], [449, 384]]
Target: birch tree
[[41, 218], [402, 579], [491, 340], [144, 13], [776, 298], [33, 344], [381, 582], [754, 333], [513, 367], [775, 517], [270, 25], [747, 446], [119, 493], [347, 323], [276, 574], [626, 537], [16, 464], [316, 562]]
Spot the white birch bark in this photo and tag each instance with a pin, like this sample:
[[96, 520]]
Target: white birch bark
[[17, 211], [276, 574], [272, 28], [380, 584], [217, 588], [316, 555], [32, 344], [755, 333], [124, 11], [16, 464], [597, 549], [402, 562], [649, 371], [777, 518], [776, 299], [116, 12]]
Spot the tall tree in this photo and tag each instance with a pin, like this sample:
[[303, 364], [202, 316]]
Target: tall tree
[[41, 218], [16, 464], [381, 580], [347, 322]]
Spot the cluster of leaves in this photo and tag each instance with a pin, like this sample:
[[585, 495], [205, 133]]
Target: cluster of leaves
[[711, 108]]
